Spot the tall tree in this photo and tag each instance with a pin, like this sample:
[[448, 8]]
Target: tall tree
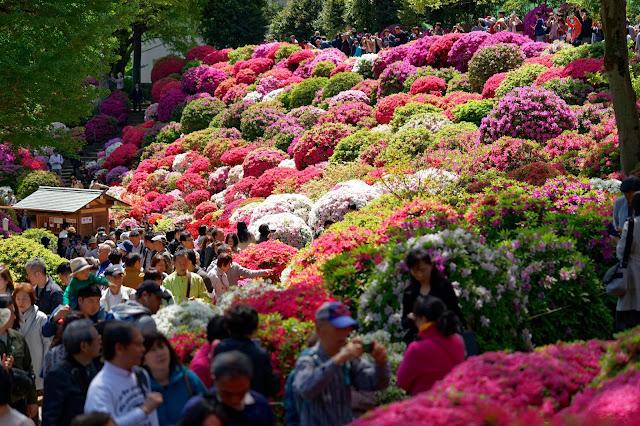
[[296, 18], [49, 48], [616, 62], [332, 18], [233, 23]]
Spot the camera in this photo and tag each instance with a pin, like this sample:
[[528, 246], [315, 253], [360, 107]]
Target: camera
[[367, 346]]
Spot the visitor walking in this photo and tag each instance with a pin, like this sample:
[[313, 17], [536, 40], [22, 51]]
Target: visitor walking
[[48, 293], [55, 162], [628, 306], [136, 97]]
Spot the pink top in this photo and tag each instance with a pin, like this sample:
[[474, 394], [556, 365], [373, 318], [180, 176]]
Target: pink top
[[429, 360], [201, 362]]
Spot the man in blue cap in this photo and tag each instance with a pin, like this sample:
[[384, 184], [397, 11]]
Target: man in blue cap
[[126, 247], [325, 373]]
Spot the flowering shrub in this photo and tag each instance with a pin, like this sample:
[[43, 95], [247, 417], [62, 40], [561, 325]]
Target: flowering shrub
[[269, 255], [133, 135], [190, 182], [508, 154], [168, 103], [430, 121], [100, 128], [122, 156], [491, 60], [473, 111], [438, 55], [163, 85], [521, 77], [530, 113], [393, 77], [323, 69], [534, 49], [387, 106], [335, 203], [339, 83], [492, 84], [115, 105], [254, 121], [317, 144], [402, 114], [239, 190], [304, 92], [465, 47], [260, 160], [283, 132], [537, 173], [290, 229], [296, 204], [198, 114], [29, 182], [579, 67], [355, 113], [189, 315], [428, 84], [166, 66], [199, 52], [572, 91]]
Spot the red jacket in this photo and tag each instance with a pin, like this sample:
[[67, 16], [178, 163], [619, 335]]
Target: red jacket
[[429, 360]]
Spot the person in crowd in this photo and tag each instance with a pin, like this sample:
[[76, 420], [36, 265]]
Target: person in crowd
[[264, 232], [209, 252], [25, 221], [575, 26], [173, 237], [77, 249], [182, 283], [203, 358], [540, 31], [14, 348], [345, 47], [148, 301], [202, 233], [116, 293], [218, 274], [207, 412], [232, 241], [152, 274], [242, 322], [30, 327], [479, 26], [563, 28], [81, 277], [437, 29], [119, 81], [356, 49], [159, 263], [55, 162], [169, 378], [415, 33], [501, 23], [132, 266], [457, 29], [324, 375], [9, 416], [186, 241], [325, 44], [56, 352], [63, 247], [48, 293], [6, 281], [437, 351], [194, 268], [245, 238], [425, 280], [65, 390], [552, 25], [136, 98], [136, 241], [148, 250], [88, 304], [10, 198], [92, 248], [122, 388], [512, 23], [586, 30], [622, 206], [75, 183], [628, 306], [104, 250], [401, 37], [236, 271], [232, 372], [160, 247]]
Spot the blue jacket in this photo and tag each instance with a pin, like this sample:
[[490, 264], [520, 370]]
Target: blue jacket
[[540, 29], [257, 411], [175, 395]]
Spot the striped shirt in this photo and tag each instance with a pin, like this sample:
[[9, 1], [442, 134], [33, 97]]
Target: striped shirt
[[321, 383]]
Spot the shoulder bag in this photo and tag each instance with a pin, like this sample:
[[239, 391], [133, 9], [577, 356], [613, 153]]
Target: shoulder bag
[[616, 277]]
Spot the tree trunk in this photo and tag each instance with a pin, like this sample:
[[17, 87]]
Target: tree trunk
[[616, 62], [137, 53]]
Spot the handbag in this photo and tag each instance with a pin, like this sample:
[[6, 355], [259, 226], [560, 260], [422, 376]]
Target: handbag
[[22, 382], [616, 277]]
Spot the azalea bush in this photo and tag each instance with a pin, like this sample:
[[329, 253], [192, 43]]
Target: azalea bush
[[29, 182], [316, 145], [491, 60], [272, 255]]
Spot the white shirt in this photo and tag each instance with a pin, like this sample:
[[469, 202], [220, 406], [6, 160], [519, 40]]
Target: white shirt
[[15, 418], [54, 160], [116, 391]]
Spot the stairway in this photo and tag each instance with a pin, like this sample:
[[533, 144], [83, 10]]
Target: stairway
[[90, 152]]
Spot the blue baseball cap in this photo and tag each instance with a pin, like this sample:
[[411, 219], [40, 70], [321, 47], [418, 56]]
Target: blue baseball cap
[[336, 313], [126, 245]]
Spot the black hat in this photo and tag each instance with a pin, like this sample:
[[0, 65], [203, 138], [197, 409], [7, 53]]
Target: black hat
[[113, 270], [152, 287], [632, 183]]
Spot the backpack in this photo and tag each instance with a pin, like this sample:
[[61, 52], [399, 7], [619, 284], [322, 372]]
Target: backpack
[[292, 405]]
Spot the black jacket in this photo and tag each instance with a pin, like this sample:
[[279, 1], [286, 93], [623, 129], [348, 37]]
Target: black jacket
[[65, 391], [264, 380], [136, 95], [48, 297], [440, 288]]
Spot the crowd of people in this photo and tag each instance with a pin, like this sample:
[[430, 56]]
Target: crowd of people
[[94, 354]]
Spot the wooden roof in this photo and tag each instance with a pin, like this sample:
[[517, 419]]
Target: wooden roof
[[64, 200]]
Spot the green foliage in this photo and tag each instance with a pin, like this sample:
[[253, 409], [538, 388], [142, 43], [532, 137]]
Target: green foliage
[[191, 64], [420, 72], [459, 83], [285, 51], [484, 64], [402, 114], [243, 53], [332, 17], [323, 69], [36, 235], [16, 251], [168, 135], [452, 130], [332, 175], [29, 182], [304, 93], [520, 77], [339, 83], [49, 48], [566, 56], [371, 14], [232, 23], [349, 148], [406, 144], [296, 18], [572, 91], [198, 114], [473, 111]]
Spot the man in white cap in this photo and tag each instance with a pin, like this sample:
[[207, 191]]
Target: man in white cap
[[92, 248], [325, 373], [160, 247], [116, 293]]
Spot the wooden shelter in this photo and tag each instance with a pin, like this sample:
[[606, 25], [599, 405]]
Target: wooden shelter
[[84, 209]]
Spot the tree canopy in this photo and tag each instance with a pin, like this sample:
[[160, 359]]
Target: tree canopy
[[230, 23], [49, 48]]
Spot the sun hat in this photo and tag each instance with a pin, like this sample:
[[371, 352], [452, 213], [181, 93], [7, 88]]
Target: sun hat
[[79, 264], [336, 313]]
